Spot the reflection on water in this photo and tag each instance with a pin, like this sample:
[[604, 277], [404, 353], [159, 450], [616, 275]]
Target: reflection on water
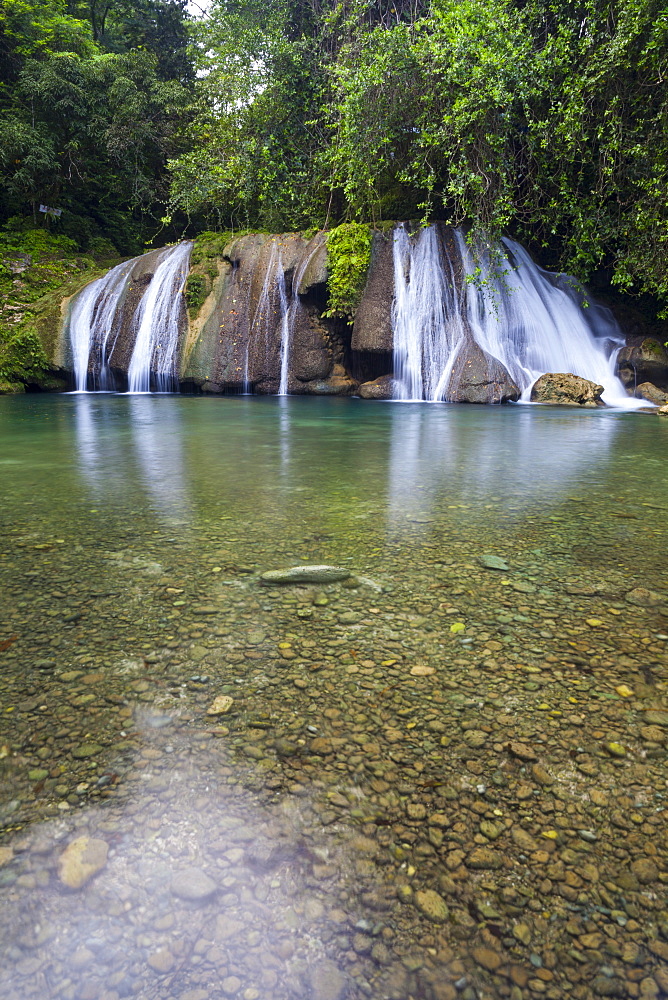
[[511, 457]]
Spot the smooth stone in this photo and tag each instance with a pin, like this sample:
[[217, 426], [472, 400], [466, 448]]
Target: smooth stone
[[161, 961], [81, 859], [431, 905], [86, 750], [493, 562], [220, 705], [192, 883], [306, 574], [327, 982]]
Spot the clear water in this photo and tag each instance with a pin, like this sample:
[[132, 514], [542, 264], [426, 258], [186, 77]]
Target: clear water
[[134, 530]]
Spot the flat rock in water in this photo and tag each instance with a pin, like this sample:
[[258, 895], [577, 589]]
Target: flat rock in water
[[493, 562], [220, 705], [327, 982], [306, 574], [192, 883], [81, 859]]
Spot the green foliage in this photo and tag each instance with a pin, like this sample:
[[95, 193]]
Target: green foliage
[[92, 95], [37, 270], [348, 259], [196, 291], [22, 357]]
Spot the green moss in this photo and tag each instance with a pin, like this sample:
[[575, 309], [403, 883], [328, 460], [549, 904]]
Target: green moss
[[348, 259], [198, 287], [211, 246]]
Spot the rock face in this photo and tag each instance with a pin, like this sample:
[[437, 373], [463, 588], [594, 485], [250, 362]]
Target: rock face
[[81, 859], [380, 388], [565, 389], [239, 341], [647, 361], [372, 330], [651, 393], [477, 377]]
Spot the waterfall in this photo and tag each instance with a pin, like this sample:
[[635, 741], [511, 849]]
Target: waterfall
[[289, 316], [531, 320], [91, 323], [535, 321], [284, 327], [426, 316], [157, 323], [272, 298]]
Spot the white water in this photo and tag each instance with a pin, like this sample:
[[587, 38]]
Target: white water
[[289, 316], [157, 324], [91, 322], [284, 327], [532, 321], [535, 321], [263, 325], [426, 317]]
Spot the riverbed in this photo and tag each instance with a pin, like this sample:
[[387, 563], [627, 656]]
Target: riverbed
[[442, 776]]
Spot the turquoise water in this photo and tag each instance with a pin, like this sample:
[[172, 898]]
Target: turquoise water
[[134, 530]]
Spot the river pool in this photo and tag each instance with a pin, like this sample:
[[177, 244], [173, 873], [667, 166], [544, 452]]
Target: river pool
[[441, 777]]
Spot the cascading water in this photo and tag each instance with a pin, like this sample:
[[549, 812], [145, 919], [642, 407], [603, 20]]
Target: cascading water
[[91, 324], [273, 297], [531, 320], [289, 317], [426, 317], [157, 324], [534, 321]]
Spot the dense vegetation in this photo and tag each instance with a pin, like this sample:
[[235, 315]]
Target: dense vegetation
[[546, 119]]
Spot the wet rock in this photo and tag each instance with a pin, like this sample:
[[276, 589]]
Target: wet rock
[[651, 393], [645, 870], [380, 388], [487, 958], [193, 884], [220, 705], [644, 362], [161, 961], [327, 982], [86, 750], [477, 377], [493, 562], [644, 598], [431, 905], [81, 859], [372, 330], [335, 385], [656, 717], [484, 858], [306, 574], [565, 389]]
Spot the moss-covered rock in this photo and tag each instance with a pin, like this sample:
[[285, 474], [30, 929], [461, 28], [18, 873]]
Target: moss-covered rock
[[348, 260]]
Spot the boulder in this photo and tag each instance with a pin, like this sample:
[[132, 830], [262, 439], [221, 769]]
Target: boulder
[[651, 393], [565, 389], [339, 383], [645, 362], [663, 410], [372, 330], [380, 388], [477, 377]]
